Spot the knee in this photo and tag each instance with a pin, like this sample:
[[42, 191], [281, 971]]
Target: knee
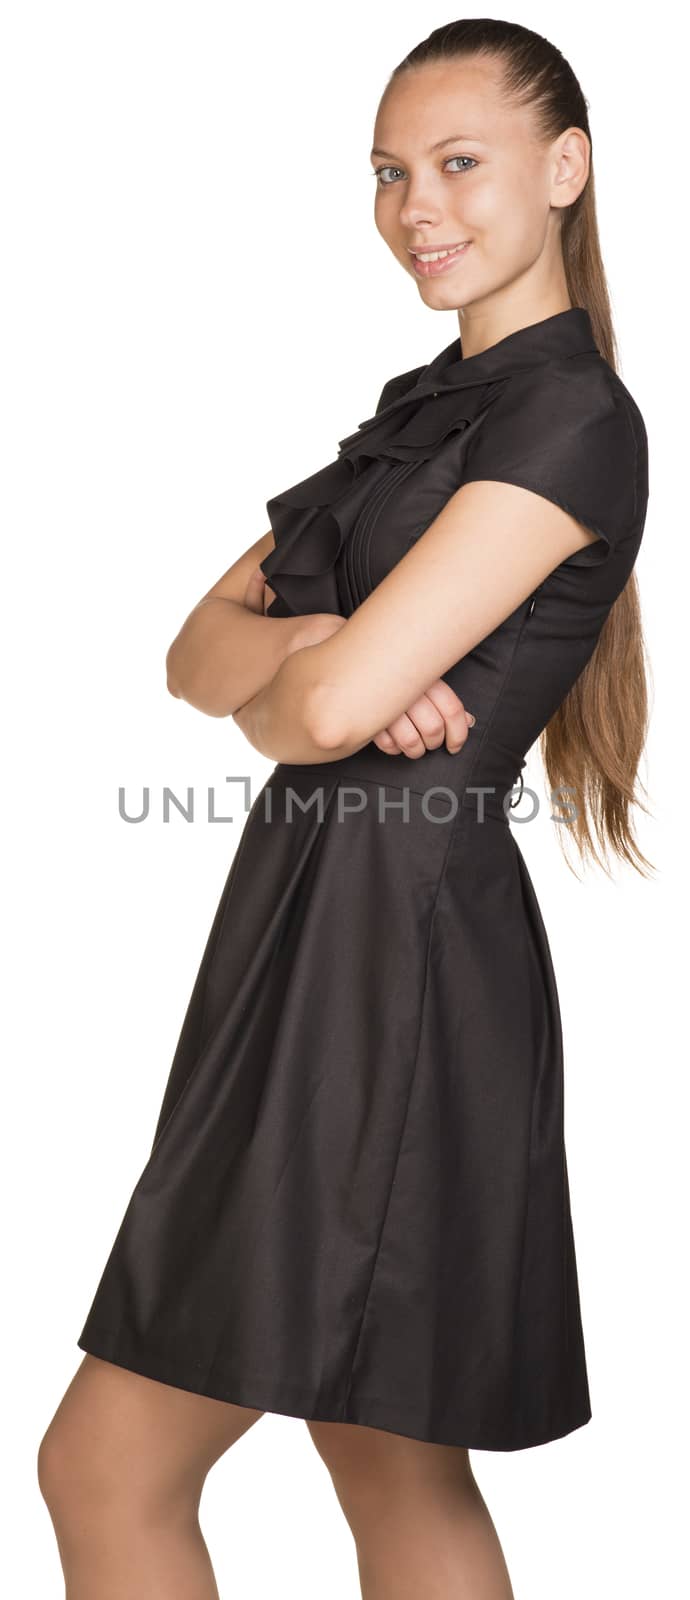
[[74, 1476]]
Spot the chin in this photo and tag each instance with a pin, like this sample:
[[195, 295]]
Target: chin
[[442, 297]]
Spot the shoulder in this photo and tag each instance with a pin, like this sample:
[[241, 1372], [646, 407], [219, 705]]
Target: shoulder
[[577, 407], [628, 405], [569, 429], [595, 385], [584, 383]]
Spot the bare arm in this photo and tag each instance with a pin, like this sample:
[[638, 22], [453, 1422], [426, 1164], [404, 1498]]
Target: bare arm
[[485, 552], [224, 652]]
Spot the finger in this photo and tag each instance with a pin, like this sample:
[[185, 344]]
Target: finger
[[408, 737], [435, 714], [448, 700], [254, 593], [422, 720], [385, 742], [457, 720]]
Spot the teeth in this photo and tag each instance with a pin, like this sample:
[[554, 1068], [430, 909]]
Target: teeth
[[439, 255]]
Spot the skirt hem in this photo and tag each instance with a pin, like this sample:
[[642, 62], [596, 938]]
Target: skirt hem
[[262, 1393]]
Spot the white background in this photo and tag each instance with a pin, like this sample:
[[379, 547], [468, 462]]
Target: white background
[[196, 307]]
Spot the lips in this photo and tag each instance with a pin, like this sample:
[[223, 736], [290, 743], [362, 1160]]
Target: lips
[[434, 269], [431, 249]]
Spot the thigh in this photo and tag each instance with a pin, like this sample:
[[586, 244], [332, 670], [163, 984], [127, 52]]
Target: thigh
[[114, 1426]]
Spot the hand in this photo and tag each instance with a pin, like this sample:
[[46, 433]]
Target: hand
[[437, 715], [258, 594], [311, 628]]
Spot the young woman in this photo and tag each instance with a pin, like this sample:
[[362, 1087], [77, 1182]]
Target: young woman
[[356, 1206]]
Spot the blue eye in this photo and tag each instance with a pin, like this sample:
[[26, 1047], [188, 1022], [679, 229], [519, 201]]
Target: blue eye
[[464, 158], [383, 184]]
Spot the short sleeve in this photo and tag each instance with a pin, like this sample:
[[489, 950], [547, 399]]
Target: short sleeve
[[569, 432]]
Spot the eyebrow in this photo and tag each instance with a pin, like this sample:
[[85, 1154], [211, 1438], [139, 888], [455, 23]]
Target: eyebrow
[[452, 139]]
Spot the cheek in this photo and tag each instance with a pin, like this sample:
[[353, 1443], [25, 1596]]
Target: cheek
[[486, 206], [384, 219], [511, 213]]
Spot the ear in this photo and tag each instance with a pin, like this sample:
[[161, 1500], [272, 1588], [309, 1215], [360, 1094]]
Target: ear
[[572, 165]]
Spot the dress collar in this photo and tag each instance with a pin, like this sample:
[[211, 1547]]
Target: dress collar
[[567, 333], [455, 384]]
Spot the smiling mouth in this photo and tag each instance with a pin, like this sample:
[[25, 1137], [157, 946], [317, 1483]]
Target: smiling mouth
[[431, 263], [431, 254]]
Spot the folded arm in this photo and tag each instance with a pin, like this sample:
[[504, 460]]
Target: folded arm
[[482, 556], [226, 652]]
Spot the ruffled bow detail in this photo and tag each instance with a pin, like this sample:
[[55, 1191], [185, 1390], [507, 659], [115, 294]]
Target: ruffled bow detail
[[312, 520]]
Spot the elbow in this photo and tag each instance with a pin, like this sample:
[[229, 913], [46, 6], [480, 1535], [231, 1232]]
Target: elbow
[[323, 722], [171, 677], [200, 697]]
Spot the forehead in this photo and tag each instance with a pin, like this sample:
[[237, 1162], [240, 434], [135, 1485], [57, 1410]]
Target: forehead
[[425, 105]]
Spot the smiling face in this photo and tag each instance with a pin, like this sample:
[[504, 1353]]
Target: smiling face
[[458, 165]]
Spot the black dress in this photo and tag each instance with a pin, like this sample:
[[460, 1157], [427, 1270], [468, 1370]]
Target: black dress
[[356, 1205]]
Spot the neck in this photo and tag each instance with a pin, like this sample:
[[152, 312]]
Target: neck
[[486, 322]]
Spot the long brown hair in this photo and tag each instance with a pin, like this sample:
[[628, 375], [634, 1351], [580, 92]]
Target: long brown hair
[[592, 745]]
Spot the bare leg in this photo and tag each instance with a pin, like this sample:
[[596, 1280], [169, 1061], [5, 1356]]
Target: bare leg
[[121, 1468], [420, 1524]]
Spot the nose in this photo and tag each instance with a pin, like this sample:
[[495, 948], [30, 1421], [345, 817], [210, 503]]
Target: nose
[[415, 214], [419, 206]]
